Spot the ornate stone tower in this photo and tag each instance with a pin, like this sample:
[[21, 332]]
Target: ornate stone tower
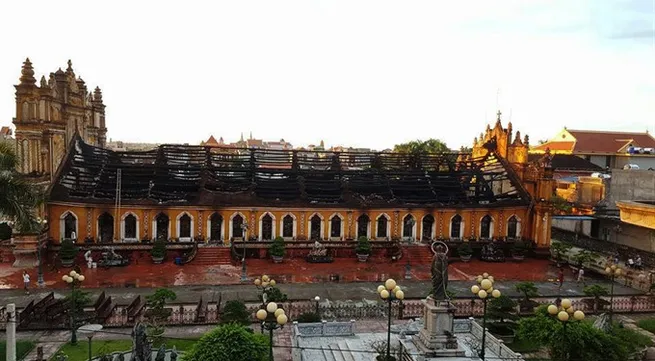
[[48, 115]]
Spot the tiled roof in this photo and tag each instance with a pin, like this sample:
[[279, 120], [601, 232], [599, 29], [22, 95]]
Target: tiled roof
[[588, 141], [556, 146], [211, 141], [568, 162]]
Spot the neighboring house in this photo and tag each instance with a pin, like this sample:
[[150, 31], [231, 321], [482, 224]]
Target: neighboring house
[[606, 149]]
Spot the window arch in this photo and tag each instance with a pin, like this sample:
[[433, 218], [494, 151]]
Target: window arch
[[382, 225], [427, 225], [105, 228], [288, 226], [486, 227], [456, 227], [129, 227], [68, 225], [215, 227], [237, 226], [267, 227], [336, 228], [316, 227], [162, 225], [26, 111], [363, 225], [184, 227], [513, 227], [409, 227]]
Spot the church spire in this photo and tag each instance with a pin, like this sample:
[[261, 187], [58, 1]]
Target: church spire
[[97, 95], [27, 73], [70, 66]]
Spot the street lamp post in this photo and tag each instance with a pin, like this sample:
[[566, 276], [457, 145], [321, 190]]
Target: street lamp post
[[390, 292], [563, 314], [73, 279], [484, 287], [317, 300], [40, 282], [612, 272], [89, 331], [264, 284], [272, 318]]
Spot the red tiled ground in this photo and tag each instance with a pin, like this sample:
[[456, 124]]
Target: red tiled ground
[[296, 270]]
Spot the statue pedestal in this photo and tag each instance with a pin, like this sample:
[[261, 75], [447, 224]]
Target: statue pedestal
[[25, 247], [436, 339]]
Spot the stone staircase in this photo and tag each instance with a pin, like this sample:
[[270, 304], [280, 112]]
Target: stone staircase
[[212, 256], [418, 254]]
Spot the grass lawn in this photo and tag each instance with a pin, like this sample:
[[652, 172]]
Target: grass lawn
[[80, 352], [22, 349], [647, 324]]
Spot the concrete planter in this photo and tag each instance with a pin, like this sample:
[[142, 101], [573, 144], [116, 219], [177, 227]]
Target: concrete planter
[[362, 257], [277, 259]]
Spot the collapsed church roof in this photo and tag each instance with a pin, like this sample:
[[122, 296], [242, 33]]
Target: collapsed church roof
[[206, 176]]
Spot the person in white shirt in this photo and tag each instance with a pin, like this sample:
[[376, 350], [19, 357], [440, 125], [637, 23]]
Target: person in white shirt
[[26, 282], [581, 275]]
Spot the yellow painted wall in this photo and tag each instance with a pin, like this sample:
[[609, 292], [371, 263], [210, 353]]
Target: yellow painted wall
[[87, 217]]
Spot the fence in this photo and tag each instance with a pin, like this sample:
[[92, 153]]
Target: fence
[[188, 314]]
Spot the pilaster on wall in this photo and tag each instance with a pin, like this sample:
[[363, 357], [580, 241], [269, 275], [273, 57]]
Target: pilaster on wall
[[349, 224], [396, 221]]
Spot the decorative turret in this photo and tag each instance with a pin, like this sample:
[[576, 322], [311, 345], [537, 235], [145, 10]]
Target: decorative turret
[[97, 95], [44, 83], [526, 141], [27, 73], [69, 70], [517, 139]]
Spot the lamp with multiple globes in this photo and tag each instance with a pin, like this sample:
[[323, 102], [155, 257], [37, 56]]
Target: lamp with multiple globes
[[73, 279], [483, 289], [390, 292], [42, 224], [565, 313], [272, 318], [613, 272]]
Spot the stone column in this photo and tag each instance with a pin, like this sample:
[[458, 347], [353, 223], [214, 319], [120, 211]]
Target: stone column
[[11, 332]]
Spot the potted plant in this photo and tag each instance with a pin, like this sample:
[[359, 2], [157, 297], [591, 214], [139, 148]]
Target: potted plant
[[465, 251], [158, 251], [363, 249], [277, 249], [518, 250], [67, 253]]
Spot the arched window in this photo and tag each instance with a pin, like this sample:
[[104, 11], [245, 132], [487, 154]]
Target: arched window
[[161, 224], [26, 111], [267, 227], [382, 225], [408, 226], [106, 228], [185, 227], [215, 227], [485, 227], [456, 227], [428, 223], [70, 226], [512, 227], [335, 227], [315, 227], [287, 226], [129, 227], [362, 226], [237, 226]]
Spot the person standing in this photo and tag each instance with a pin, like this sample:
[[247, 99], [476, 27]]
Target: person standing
[[26, 282], [581, 275]]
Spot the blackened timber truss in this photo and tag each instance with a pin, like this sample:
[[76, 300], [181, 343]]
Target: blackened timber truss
[[198, 175]]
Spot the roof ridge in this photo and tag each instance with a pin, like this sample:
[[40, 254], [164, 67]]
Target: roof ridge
[[606, 131]]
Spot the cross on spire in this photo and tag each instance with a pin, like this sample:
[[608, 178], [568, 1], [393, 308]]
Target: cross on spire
[[498, 114]]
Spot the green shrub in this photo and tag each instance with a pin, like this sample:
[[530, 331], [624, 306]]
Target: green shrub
[[68, 250], [235, 311], [363, 246], [158, 249], [309, 317], [277, 247], [229, 342], [465, 249], [647, 324]]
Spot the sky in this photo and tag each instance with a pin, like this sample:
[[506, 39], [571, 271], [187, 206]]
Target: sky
[[356, 73]]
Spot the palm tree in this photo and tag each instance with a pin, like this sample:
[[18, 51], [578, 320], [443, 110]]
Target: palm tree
[[19, 198]]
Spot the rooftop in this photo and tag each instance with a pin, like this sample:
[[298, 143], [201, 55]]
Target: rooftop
[[597, 142], [197, 175]]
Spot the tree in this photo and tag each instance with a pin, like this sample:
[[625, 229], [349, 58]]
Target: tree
[[235, 311], [575, 340], [229, 342], [157, 313], [528, 289], [560, 250], [597, 292], [19, 198], [583, 257], [430, 146]]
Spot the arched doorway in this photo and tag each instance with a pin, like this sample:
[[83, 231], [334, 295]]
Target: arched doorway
[[362, 226], [512, 227], [215, 227], [161, 231], [129, 227], [237, 226], [408, 226], [106, 228], [315, 227], [287, 226], [185, 227], [382, 225], [70, 226], [335, 227], [267, 227], [485, 227], [456, 227], [428, 223]]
